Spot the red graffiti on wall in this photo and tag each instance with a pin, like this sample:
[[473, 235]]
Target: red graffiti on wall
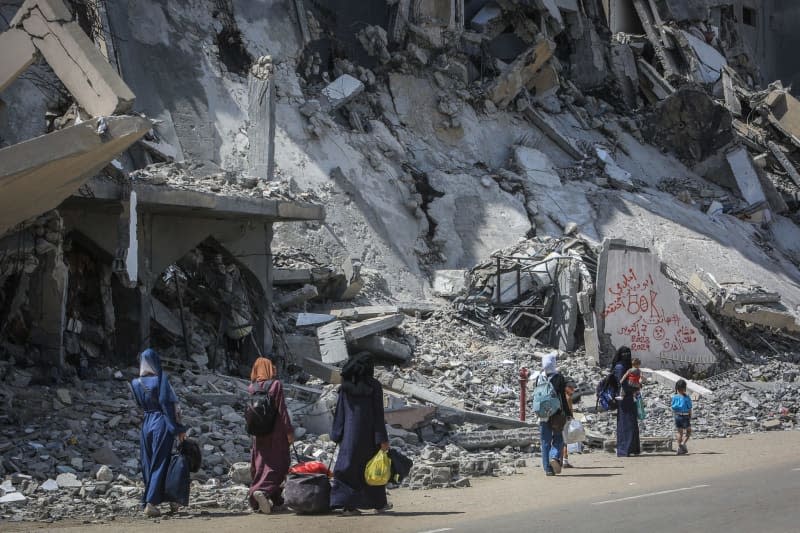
[[650, 327]]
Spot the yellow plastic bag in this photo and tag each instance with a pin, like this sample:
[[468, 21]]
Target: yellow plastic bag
[[379, 470]]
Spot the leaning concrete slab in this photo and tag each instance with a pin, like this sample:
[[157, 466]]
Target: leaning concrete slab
[[37, 175], [18, 54], [520, 73], [669, 379], [639, 307], [73, 57], [364, 312], [385, 348]]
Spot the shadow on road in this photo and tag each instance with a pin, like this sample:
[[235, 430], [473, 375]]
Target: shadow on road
[[673, 454], [596, 467], [422, 513], [593, 475]]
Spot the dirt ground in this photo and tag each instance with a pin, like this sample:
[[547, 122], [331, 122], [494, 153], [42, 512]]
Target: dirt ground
[[597, 475]]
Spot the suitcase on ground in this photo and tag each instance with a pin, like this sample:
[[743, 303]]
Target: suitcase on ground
[[307, 493]]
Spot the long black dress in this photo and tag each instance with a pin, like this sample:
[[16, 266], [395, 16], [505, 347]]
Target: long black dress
[[627, 419], [359, 429]]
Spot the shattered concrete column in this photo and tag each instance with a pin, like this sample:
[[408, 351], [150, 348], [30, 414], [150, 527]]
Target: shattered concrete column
[[261, 131], [106, 297], [48, 303], [565, 306]]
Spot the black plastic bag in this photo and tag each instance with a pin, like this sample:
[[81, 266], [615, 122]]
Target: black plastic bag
[[176, 485], [307, 493], [191, 450], [401, 465]]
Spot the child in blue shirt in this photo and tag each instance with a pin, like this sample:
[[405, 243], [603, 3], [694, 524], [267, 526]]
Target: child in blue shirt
[[682, 409]]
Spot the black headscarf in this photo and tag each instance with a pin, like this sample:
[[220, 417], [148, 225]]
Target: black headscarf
[[357, 375], [623, 356]]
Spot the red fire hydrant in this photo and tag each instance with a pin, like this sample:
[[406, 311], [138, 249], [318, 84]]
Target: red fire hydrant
[[523, 391]]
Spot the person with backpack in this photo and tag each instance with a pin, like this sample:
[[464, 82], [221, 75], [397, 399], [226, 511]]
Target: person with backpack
[[550, 405], [360, 431], [153, 393], [267, 420], [627, 415]]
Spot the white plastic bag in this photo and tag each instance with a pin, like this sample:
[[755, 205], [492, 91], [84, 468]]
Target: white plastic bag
[[574, 432]]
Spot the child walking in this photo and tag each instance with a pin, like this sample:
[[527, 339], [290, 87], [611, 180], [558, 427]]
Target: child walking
[[682, 409]]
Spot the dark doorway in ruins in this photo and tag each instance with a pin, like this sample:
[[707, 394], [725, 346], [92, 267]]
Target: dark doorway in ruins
[[213, 300]]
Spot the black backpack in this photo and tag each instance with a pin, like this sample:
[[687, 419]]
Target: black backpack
[[261, 413]]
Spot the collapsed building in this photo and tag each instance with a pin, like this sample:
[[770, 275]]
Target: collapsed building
[[453, 186]]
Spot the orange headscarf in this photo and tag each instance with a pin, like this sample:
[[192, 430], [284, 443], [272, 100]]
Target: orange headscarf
[[263, 370]]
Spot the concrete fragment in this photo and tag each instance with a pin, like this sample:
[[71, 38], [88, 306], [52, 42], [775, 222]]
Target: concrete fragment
[[341, 91], [746, 175], [771, 424], [771, 317], [165, 318], [68, 480], [784, 114], [551, 130], [298, 297], [290, 276], [784, 162], [18, 54], [37, 175], [325, 372], [385, 348], [372, 326], [707, 63], [669, 379], [49, 486], [623, 67], [520, 73], [536, 166], [652, 84], [313, 319], [488, 16], [332, 343], [410, 417], [618, 177], [76, 61], [449, 283], [13, 497], [364, 312], [415, 391], [104, 474], [729, 93], [240, 473], [106, 456], [518, 438]]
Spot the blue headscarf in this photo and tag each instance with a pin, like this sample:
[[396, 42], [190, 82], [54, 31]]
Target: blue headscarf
[[150, 365]]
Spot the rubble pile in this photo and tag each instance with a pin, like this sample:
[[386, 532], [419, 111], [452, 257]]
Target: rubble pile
[[205, 176]]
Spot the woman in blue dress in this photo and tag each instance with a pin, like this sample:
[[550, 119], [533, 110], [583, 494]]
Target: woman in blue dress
[[627, 418], [155, 396]]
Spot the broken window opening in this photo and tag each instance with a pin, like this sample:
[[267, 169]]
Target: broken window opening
[[748, 16], [233, 53]]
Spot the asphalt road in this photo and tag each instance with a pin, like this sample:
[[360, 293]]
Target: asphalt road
[[749, 483]]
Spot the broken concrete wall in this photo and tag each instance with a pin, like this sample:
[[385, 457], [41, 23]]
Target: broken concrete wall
[[637, 306]]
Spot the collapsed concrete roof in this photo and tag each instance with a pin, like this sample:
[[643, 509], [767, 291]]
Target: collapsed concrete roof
[[37, 175]]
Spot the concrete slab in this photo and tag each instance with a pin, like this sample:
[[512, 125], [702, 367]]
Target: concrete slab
[[313, 319], [669, 379], [342, 90], [18, 54], [637, 306], [37, 175], [520, 73], [290, 276], [746, 175], [784, 114], [449, 283], [709, 63], [410, 417], [364, 312], [536, 166], [332, 344], [323, 371], [372, 326], [73, 57]]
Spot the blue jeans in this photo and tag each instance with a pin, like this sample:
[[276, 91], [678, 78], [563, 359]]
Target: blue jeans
[[552, 444]]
